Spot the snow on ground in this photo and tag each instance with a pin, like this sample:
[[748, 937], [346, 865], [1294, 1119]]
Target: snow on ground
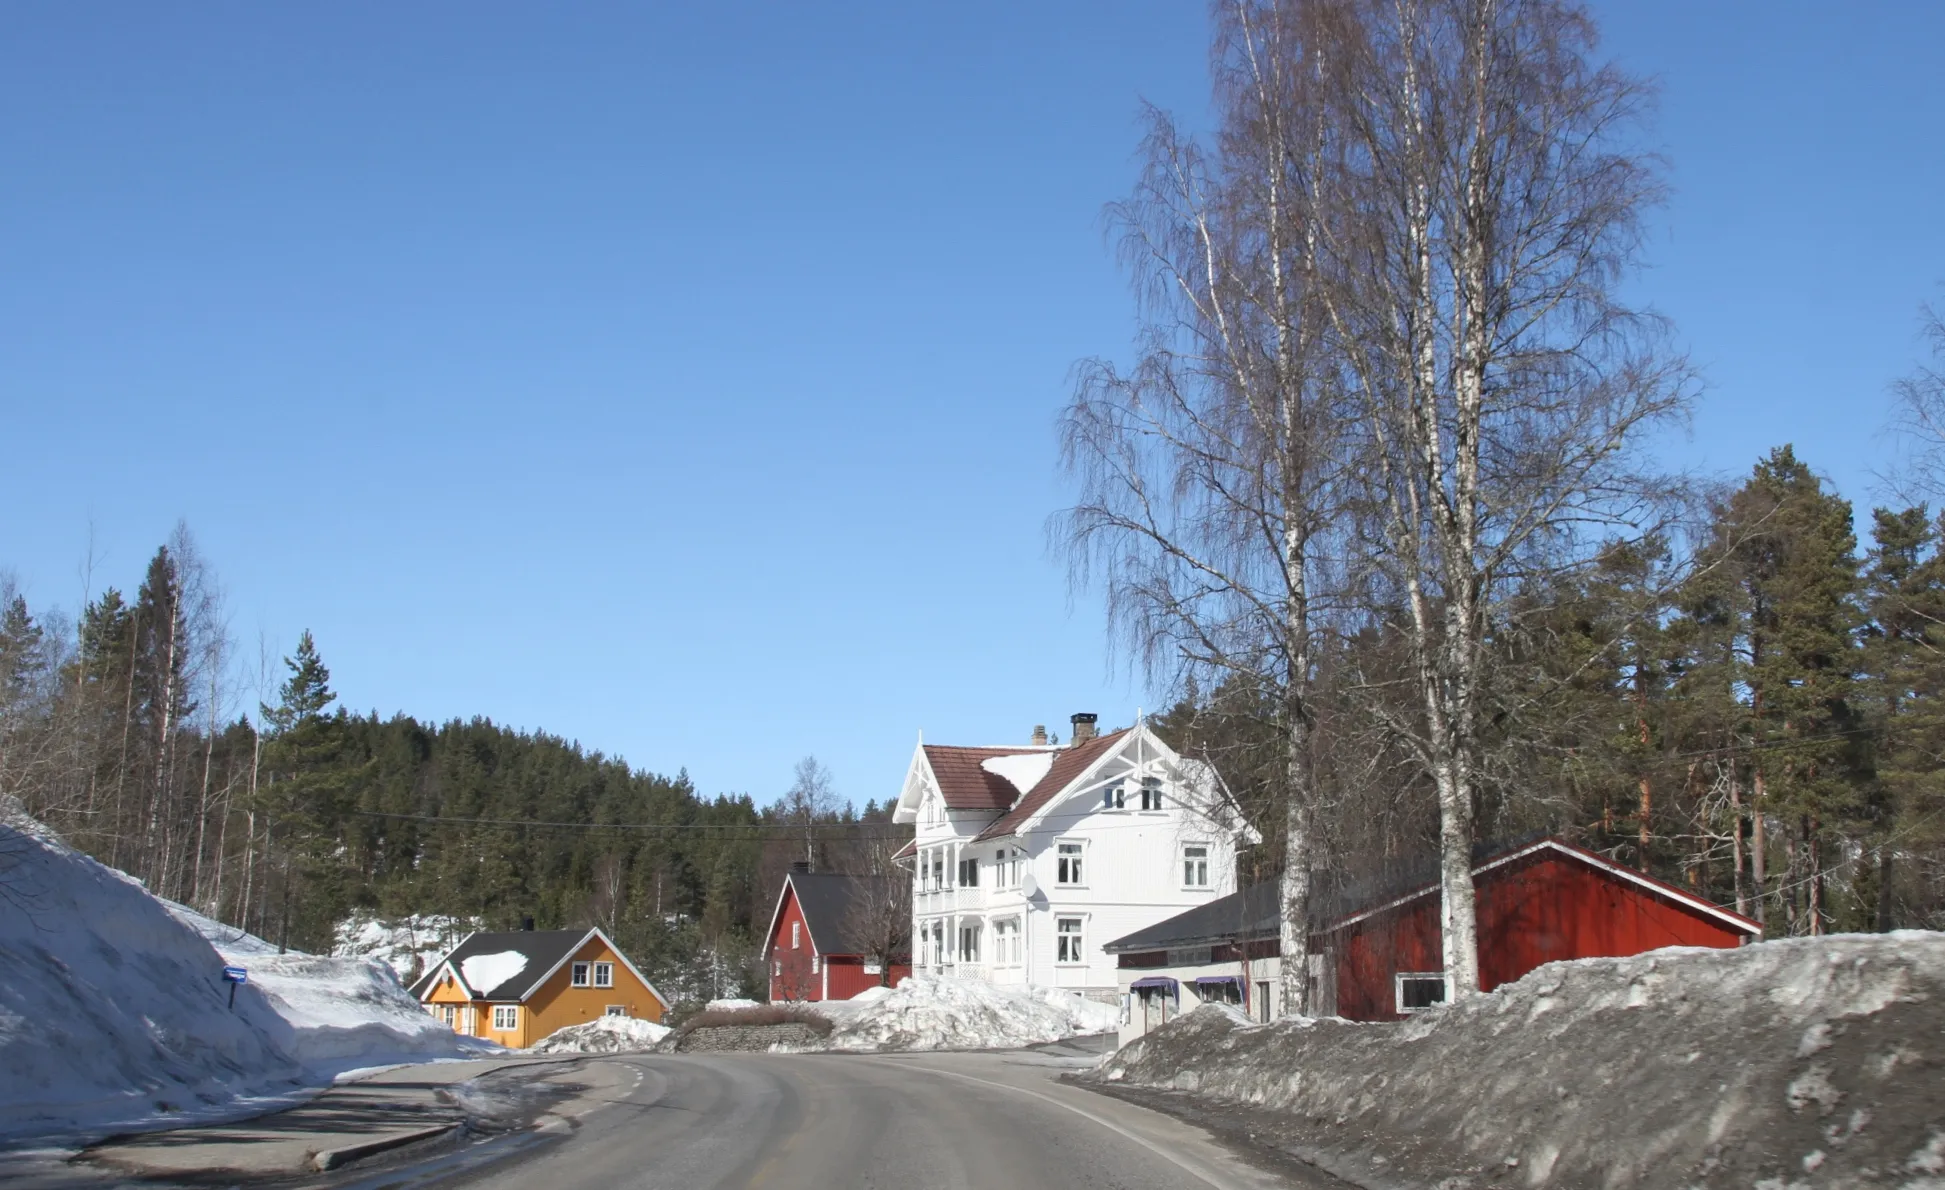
[[408, 945], [484, 972], [602, 1035], [937, 1013], [728, 1003], [231, 940], [114, 1014], [1805, 1063]]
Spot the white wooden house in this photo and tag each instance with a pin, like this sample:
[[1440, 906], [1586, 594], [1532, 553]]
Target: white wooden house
[[1027, 860]]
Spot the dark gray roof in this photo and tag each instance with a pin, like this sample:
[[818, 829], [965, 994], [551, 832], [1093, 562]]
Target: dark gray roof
[[543, 948], [831, 904]]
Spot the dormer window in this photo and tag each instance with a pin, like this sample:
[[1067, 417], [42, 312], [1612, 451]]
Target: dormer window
[[1114, 797], [1151, 793]]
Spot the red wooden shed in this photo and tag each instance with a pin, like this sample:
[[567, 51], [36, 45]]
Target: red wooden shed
[[1538, 903], [821, 945]]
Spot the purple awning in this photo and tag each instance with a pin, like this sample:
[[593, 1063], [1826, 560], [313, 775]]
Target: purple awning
[[1206, 980], [1155, 981]]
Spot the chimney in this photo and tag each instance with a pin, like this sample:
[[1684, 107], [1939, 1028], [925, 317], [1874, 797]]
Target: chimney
[[527, 924], [1040, 735], [800, 865], [1083, 728]]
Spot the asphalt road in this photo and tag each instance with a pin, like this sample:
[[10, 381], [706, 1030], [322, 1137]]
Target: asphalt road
[[839, 1122]]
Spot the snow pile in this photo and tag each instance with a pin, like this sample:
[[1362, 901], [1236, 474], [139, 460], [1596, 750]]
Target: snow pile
[[231, 940], [348, 1013], [408, 945], [728, 1004], [114, 1015], [938, 1013], [1804, 1063], [484, 972], [602, 1035]]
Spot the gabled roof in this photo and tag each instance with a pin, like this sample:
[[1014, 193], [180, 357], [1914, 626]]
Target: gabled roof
[[1067, 768], [832, 904], [544, 950], [1254, 914], [964, 784]]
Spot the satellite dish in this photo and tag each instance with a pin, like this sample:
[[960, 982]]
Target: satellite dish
[[1029, 887]]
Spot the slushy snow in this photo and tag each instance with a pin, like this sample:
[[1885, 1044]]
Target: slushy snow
[[942, 1013], [484, 972], [602, 1035], [114, 1015]]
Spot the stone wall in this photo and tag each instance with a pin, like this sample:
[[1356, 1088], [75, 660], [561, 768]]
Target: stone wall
[[746, 1038]]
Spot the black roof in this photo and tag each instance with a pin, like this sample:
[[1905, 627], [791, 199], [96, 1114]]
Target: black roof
[[831, 904], [544, 949]]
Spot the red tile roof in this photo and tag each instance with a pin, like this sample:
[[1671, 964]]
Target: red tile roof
[[1069, 763], [966, 786]]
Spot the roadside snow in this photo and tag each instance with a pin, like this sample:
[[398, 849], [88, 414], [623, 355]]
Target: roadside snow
[[937, 1013], [484, 972], [602, 1035], [728, 1003], [114, 1015], [231, 940], [1804, 1063]]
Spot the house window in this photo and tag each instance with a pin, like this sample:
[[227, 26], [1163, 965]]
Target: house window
[[796, 935], [506, 1017], [616, 1010], [969, 873], [1114, 797], [1006, 942], [581, 974], [1068, 947], [1195, 865], [776, 969], [1262, 1005], [938, 867], [1067, 864], [814, 968], [969, 944], [1151, 793], [604, 975], [452, 1015], [1419, 990]]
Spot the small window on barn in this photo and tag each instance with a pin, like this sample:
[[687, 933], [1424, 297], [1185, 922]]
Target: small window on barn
[[1419, 990], [796, 935], [604, 975], [580, 977]]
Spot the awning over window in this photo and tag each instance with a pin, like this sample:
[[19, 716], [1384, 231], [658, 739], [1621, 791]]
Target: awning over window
[[1156, 981], [1204, 981]]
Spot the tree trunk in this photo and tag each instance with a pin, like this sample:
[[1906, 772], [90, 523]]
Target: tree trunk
[[1735, 835], [1759, 848]]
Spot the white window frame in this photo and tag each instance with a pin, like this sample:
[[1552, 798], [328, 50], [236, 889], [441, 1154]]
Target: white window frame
[[1062, 856], [1151, 795], [796, 935], [615, 1010], [578, 975], [1114, 796], [969, 941], [604, 975], [1071, 942], [1398, 990], [1191, 863], [506, 1018]]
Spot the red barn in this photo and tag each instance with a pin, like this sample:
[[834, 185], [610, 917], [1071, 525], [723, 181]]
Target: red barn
[[832, 936], [1537, 903]]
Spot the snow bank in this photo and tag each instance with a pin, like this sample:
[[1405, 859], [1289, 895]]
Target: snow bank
[[114, 1015], [408, 945], [728, 1003], [936, 1013], [230, 940], [602, 1035], [1795, 1064]]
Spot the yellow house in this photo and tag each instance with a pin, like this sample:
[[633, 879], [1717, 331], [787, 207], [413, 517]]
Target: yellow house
[[517, 987]]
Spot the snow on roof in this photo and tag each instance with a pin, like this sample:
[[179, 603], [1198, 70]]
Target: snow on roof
[[1022, 769], [488, 971]]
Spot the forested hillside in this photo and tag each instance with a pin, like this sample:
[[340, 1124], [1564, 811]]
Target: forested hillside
[[127, 734]]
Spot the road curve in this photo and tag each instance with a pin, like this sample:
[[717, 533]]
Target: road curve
[[832, 1122]]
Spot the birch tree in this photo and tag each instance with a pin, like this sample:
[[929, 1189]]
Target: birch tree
[[1210, 471], [1483, 206]]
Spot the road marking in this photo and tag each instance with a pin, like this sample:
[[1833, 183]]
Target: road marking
[[1199, 1173]]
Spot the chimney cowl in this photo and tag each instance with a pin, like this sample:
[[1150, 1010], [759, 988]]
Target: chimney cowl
[[1083, 728]]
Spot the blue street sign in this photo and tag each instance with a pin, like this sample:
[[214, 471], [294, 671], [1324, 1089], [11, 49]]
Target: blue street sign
[[236, 974]]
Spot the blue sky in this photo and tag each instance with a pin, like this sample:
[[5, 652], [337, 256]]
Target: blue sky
[[681, 379]]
